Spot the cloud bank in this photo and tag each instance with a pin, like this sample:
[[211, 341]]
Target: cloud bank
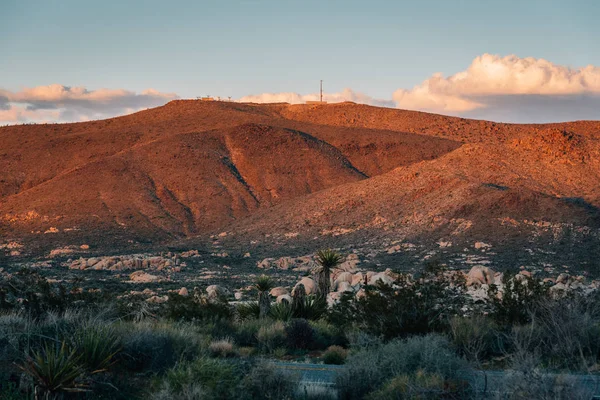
[[58, 103], [295, 98], [491, 78]]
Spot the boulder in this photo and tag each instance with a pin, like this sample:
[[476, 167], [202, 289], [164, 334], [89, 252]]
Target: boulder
[[310, 286], [344, 287], [479, 275], [381, 277], [284, 297], [141, 276], [358, 279], [342, 277], [183, 292], [333, 298], [278, 291], [216, 291], [284, 263], [238, 295], [265, 264], [158, 299], [562, 278]]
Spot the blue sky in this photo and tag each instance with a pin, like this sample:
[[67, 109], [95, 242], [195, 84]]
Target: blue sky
[[238, 48]]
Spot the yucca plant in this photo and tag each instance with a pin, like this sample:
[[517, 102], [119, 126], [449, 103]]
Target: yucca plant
[[282, 311], [97, 346], [248, 311], [55, 369], [264, 284], [314, 308], [327, 260]]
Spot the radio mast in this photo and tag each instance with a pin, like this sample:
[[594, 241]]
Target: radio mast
[[321, 90]]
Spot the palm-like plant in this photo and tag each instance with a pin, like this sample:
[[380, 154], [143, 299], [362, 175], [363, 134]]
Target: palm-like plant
[[97, 345], [328, 260], [54, 369], [264, 284]]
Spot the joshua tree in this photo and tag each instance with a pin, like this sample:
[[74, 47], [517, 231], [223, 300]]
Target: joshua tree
[[298, 299], [264, 284], [327, 260]]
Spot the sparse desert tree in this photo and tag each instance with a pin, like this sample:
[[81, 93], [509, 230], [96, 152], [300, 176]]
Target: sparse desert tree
[[264, 284], [298, 299], [328, 260]]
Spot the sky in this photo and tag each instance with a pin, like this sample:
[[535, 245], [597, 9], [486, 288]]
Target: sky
[[513, 61]]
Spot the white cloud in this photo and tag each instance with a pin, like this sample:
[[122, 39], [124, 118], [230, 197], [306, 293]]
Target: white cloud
[[56, 103], [490, 76], [295, 98]]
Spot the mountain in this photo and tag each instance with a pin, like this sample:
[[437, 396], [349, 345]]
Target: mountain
[[283, 174]]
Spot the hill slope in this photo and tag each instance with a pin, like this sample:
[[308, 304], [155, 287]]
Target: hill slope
[[192, 168]]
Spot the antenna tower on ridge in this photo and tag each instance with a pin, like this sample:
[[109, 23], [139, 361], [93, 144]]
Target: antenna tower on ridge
[[321, 90]]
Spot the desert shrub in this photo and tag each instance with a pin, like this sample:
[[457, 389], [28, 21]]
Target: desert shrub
[[195, 308], [360, 340], [326, 334], [271, 336], [568, 331], [97, 344], [222, 348], [264, 381], [311, 308], [419, 385], [215, 378], [520, 296], [146, 349], [246, 352], [54, 369], [192, 391], [335, 355], [247, 311], [404, 309], [246, 332], [282, 311], [476, 337], [10, 391], [315, 391], [27, 291], [535, 384], [299, 333], [368, 369]]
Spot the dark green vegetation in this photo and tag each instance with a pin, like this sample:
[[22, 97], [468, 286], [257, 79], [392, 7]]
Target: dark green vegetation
[[421, 337]]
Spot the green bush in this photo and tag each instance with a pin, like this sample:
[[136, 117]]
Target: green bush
[[248, 311], [521, 295], [215, 378], [476, 338], [271, 336], [335, 355], [326, 334], [97, 344], [368, 369], [54, 369], [299, 333], [195, 308], [264, 381], [146, 349], [282, 311], [246, 332], [419, 385], [406, 309]]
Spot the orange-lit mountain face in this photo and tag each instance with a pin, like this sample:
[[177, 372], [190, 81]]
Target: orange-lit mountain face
[[283, 175]]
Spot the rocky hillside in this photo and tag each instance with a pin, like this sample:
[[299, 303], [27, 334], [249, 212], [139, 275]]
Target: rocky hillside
[[281, 174]]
